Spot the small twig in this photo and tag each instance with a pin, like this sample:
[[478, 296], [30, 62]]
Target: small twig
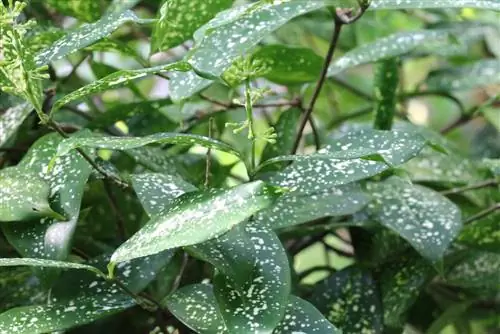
[[343, 118], [338, 251], [353, 89], [460, 105], [230, 105], [78, 112], [482, 214], [308, 111], [113, 203], [178, 278], [74, 69], [487, 183], [209, 154]]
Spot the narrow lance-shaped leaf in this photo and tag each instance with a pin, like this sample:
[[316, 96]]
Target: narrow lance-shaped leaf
[[176, 22], [114, 80], [12, 262], [391, 46], [410, 4], [84, 36], [482, 73], [425, 218], [350, 300], [23, 196], [11, 119], [302, 317], [127, 143], [197, 217]]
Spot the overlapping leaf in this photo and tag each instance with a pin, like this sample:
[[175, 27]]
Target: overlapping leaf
[[483, 234], [350, 300], [176, 22], [477, 270], [426, 219], [197, 217], [409, 4]]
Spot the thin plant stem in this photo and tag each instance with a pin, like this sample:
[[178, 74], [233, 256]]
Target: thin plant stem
[[487, 183], [482, 214], [209, 154], [249, 110]]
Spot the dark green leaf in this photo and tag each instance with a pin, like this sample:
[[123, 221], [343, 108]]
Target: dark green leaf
[[426, 219], [11, 262], [302, 317], [195, 218], [483, 234], [385, 87], [349, 299], [177, 22], [477, 270], [292, 210], [482, 73], [23, 196]]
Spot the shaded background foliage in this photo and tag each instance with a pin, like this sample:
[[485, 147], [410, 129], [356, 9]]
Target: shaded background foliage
[[219, 166]]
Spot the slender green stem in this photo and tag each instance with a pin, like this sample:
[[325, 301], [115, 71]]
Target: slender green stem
[[249, 110], [487, 183], [483, 214]]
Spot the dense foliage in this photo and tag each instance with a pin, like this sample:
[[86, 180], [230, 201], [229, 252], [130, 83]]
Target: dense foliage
[[272, 166]]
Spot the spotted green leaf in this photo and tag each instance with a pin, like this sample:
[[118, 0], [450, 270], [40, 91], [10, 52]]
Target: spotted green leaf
[[197, 217], [81, 298], [477, 270], [439, 41], [483, 234], [11, 262], [176, 22], [409, 4], [288, 65], [292, 210], [86, 10], [19, 288], [50, 238], [385, 87], [127, 143], [186, 84], [252, 283], [85, 35], [481, 73], [24, 196], [11, 119], [349, 299], [302, 317], [400, 286], [340, 163], [195, 305], [425, 218], [156, 191], [114, 80]]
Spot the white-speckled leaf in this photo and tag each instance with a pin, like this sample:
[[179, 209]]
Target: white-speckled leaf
[[447, 41], [425, 218], [127, 143], [156, 191], [252, 284], [114, 80], [484, 234], [477, 270], [179, 19], [400, 286], [409, 4], [13, 262], [292, 210], [24, 196], [197, 217], [195, 305], [392, 147], [185, 84], [481, 73], [350, 300], [84, 36], [49, 238], [303, 317], [11, 119]]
